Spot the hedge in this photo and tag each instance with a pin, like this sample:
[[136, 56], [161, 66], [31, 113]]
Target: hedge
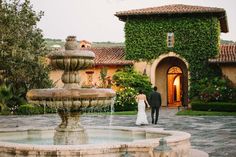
[[214, 106], [29, 109], [126, 107]]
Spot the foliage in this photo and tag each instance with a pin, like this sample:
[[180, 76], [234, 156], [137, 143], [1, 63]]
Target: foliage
[[125, 100], [227, 41], [204, 113], [5, 94], [130, 82], [8, 99], [21, 50], [130, 78], [125, 113], [196, 40], [103, 74], [51, 42], [28, 109], [213, 106], [107, 44], [216, 89]]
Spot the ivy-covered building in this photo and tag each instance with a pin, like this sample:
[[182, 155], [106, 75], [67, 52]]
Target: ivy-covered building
[[173, 44]]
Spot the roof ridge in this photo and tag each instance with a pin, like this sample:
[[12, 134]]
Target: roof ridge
[[177, 9], [171, 5]]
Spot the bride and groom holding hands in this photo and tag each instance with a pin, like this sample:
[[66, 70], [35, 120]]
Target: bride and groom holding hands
[[154, 102]]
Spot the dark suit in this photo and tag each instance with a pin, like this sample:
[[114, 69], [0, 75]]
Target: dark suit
[[155, 103]]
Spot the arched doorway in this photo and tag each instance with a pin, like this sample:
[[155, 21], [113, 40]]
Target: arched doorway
[[169, 72], [174, 86]]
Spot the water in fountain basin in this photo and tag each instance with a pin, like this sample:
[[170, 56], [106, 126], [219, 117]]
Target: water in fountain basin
[[92, 136]]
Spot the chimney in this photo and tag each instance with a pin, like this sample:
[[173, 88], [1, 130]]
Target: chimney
[[84, 44]]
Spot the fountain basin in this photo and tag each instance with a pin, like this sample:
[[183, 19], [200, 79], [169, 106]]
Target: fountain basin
[[71, 103], [72, 59], [137, 142], [71, 98]]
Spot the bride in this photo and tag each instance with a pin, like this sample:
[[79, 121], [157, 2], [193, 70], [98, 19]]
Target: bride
[[141, 116]]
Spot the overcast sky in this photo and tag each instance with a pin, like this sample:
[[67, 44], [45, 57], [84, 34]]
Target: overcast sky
[[94, 20]]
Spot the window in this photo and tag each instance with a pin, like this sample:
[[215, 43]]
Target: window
[[170, 39]]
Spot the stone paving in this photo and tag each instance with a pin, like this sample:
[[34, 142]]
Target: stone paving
[[215, 135]]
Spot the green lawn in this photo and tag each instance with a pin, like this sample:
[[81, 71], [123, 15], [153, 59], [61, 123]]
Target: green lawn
[[204, 113], [125, 113]]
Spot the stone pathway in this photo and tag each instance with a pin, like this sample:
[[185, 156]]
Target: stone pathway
[[215, 135]]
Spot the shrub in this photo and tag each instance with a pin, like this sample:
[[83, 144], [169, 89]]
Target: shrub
[[125, 100], [28, 109], [216, 89], [213, 106], [5, 94], [130, 78], [4, 110], [130, 82]]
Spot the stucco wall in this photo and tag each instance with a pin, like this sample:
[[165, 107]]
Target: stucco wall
[[55, 75], [230, 72], [143, 66]]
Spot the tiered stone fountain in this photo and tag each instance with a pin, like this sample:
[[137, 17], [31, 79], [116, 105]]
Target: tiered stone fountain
[[71, 100]]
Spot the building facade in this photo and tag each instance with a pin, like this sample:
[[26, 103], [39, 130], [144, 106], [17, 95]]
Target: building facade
[[173, 45], [107, 60], [226, 60]]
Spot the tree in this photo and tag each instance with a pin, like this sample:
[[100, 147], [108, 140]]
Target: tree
[[22, 49]]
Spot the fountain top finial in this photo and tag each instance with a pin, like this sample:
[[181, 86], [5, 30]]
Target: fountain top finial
[[71, 38], [71, 43]]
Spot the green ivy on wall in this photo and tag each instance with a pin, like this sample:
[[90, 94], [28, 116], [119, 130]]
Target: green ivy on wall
[[196, 38]]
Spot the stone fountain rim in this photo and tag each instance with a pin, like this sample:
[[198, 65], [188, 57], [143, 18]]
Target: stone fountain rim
[[70, 93], [174, 138]]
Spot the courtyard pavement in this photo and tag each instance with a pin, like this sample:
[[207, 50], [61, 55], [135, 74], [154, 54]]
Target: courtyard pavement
[[215, 135]]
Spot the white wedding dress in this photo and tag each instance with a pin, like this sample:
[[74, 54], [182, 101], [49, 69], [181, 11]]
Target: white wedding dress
[[141, 116]]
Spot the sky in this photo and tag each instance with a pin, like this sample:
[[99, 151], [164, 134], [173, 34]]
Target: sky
[[94, 20]]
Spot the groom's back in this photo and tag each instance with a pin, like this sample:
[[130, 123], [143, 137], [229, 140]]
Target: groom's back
[[155, 99]]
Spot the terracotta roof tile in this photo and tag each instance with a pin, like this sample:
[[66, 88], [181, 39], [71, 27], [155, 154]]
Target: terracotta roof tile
[[177, 9], [110, 56], [227, 54], [171, 9]]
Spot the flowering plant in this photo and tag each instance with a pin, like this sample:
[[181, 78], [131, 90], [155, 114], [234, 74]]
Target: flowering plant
[[125, 99], [216, 89]]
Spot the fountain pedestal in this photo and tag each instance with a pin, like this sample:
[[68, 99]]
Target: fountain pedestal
[[70, 137], [69, 121]]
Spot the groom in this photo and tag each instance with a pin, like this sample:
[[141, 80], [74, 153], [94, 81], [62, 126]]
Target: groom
[[155, 103]]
